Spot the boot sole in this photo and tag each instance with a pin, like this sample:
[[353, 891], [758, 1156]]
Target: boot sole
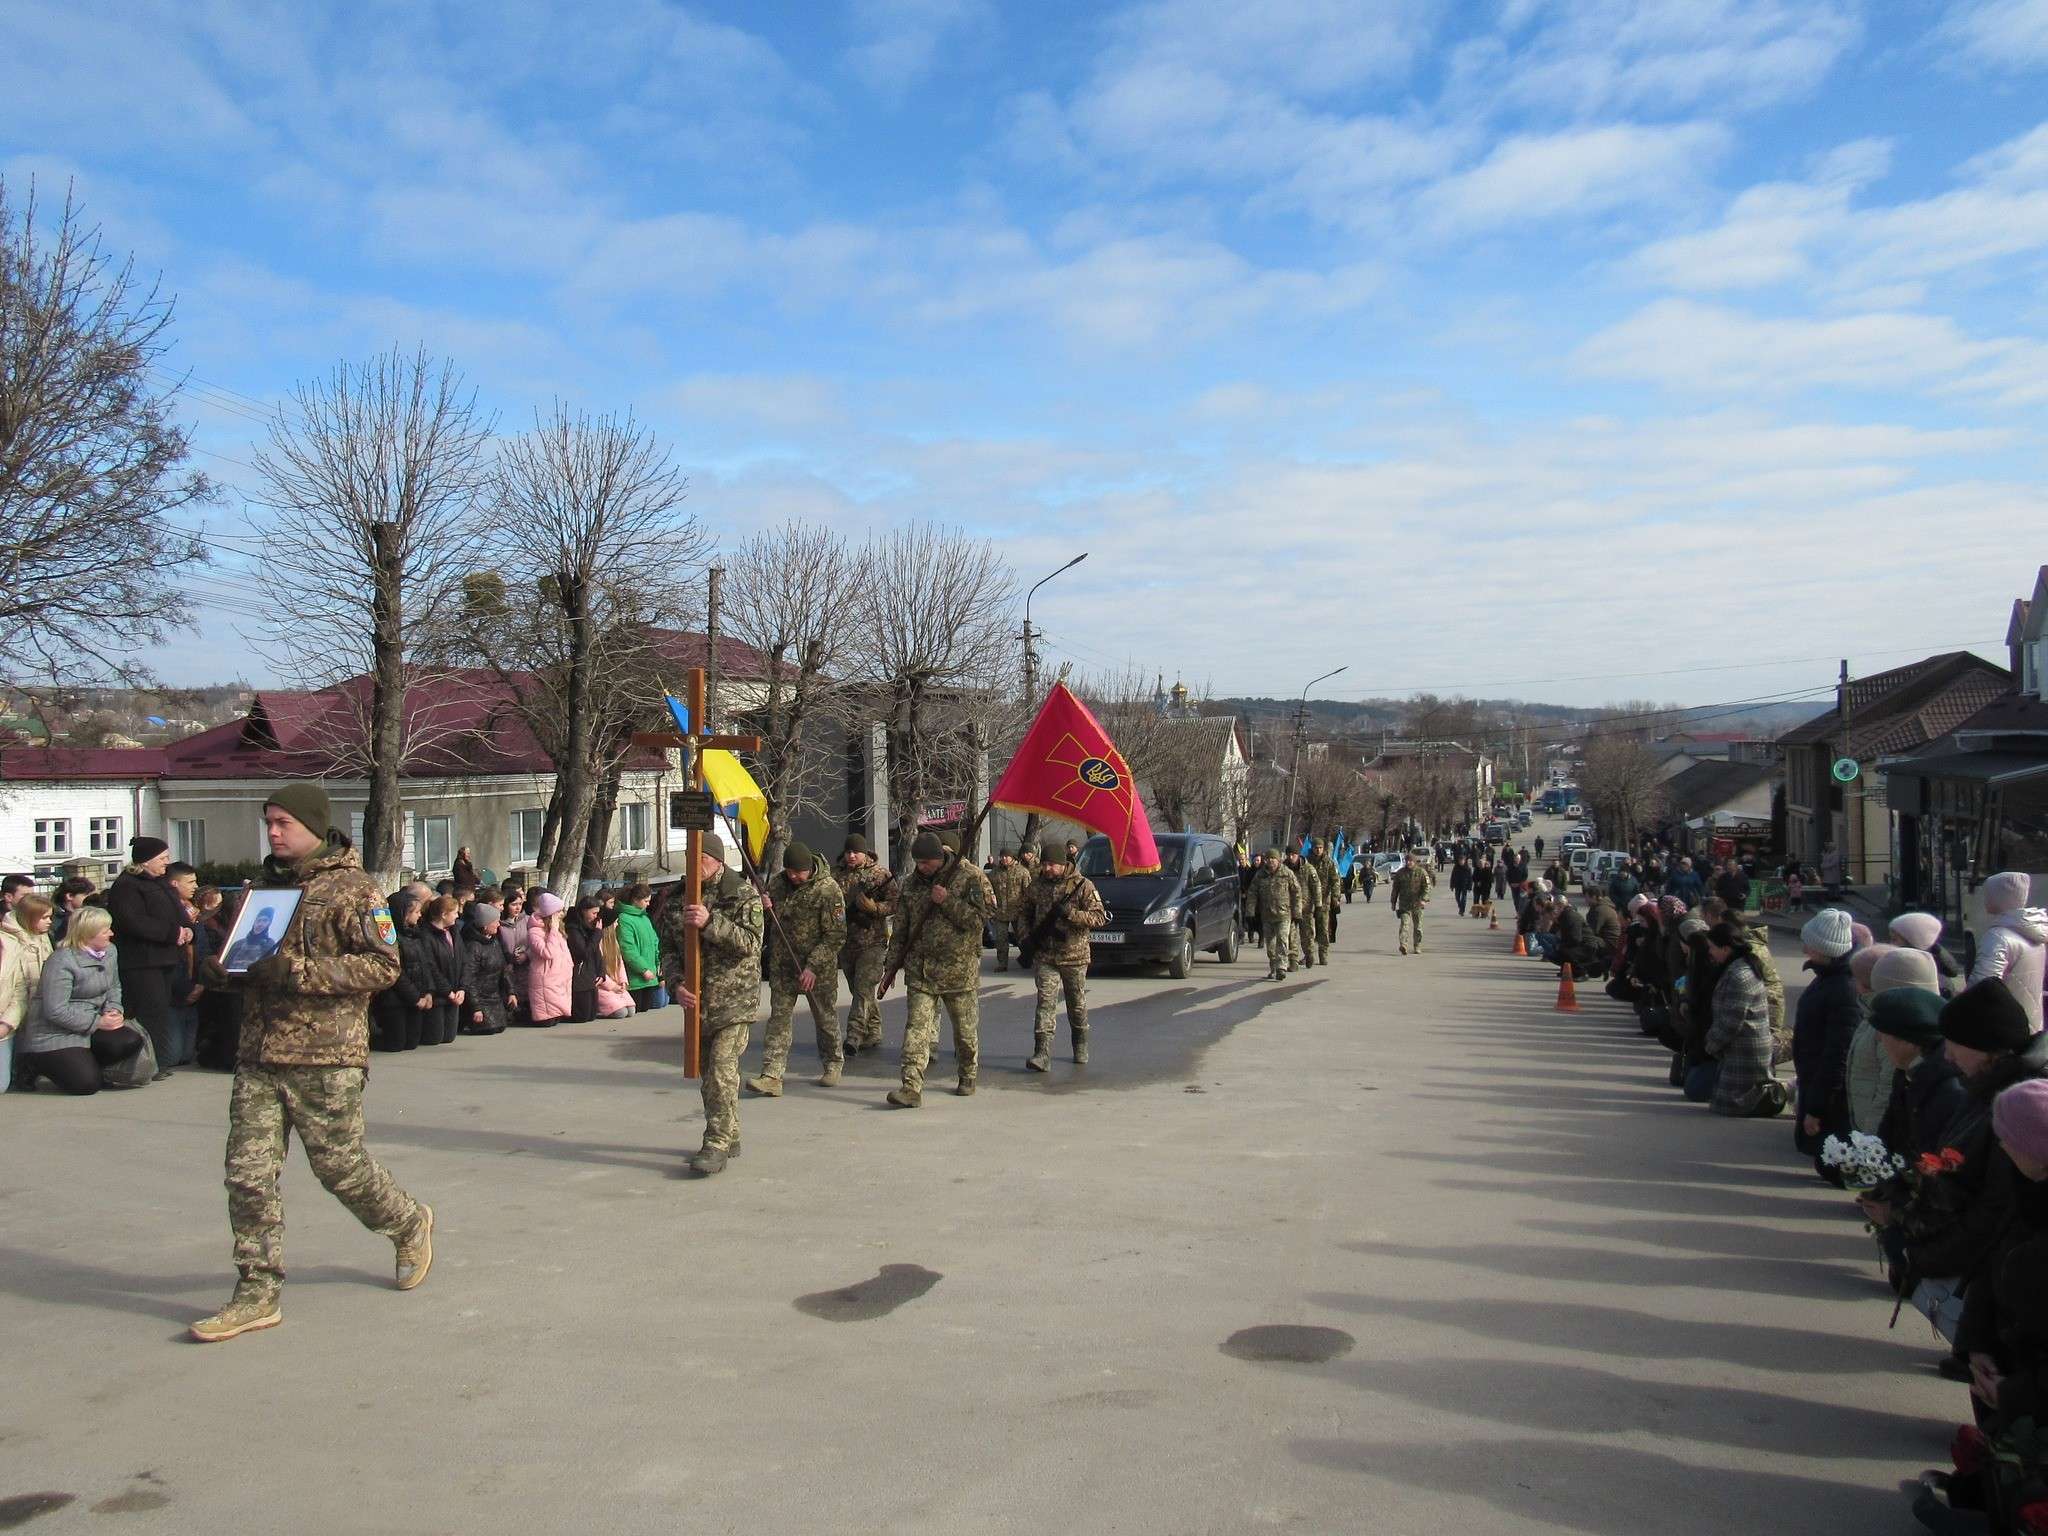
[[225, 1334], [426, 1258]]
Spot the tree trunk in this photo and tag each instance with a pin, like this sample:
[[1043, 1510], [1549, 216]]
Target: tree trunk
[[550, 827], [383, 815], [604, 807], [574, 775]]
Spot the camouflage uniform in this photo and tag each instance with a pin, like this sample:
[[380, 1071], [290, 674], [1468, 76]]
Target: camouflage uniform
[[1060, 963], [1301, 940], [728, 996], [813, 915], [1276, 899], [303, 1059], [1411, 887], [1008, 883], [870, 898], [944, 968], [1332, 884]]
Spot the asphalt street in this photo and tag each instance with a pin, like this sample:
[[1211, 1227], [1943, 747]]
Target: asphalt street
[[1389, 1247]]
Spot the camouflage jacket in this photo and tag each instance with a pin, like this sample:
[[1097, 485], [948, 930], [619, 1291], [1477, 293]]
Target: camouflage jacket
[[1066, 940], [875, 886], [1411, 888], [1009, 886], [948, 953], [1276, 894], [1311, 885], [729, 946], [1333, 883], [813, 915], [308, 1005]]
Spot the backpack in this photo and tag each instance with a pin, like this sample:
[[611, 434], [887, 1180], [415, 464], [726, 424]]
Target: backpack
[[137, 1070]]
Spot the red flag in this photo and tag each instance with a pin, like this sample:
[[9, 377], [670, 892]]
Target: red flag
[[1068, 767]]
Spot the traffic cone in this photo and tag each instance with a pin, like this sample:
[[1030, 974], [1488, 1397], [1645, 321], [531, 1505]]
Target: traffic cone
[[1521, 947], [1567, 994], [1493, 919]]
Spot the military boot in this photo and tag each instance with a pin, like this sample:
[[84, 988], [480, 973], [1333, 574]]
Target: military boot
[[766, 1087], [251, 1308], [905, 1098], [1041, 1053], [829, 1078], [965, 1087], [1080, 1047], [416, 1250], [710, 1160]]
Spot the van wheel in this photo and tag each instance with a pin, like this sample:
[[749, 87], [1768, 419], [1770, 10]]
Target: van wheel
[[1227, 950], [1182, 965]]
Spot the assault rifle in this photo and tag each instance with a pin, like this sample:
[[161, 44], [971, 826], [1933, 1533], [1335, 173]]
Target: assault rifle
[[945, 871], [1028, 948]]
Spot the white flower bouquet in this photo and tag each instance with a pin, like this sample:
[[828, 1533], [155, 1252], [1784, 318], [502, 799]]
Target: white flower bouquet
[[1862, 1160]]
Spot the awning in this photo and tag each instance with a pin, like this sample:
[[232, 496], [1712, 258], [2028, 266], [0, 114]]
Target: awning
[[1994, 769]]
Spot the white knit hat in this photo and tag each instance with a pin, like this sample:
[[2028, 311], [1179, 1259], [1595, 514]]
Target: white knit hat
[[1917, 930], [1904, 968], [2007, 891], [1827, 934]]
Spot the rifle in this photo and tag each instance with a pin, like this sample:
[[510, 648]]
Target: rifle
[[1028, 949], [945, 870]]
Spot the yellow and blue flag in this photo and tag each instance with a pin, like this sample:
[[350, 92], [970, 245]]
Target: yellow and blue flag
[[734, 791]]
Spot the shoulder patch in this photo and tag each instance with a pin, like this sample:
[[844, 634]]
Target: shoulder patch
[[379, 927]]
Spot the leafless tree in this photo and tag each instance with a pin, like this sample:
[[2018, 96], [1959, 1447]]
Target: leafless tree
[[931, 626], [373, 477], [788, 593], [1622, 779], [91, 464], [590, 528]]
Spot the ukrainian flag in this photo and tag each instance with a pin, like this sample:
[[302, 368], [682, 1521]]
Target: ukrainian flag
[[734, 791]]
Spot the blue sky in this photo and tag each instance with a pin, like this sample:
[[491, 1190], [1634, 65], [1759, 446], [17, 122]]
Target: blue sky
[[1666, 347]]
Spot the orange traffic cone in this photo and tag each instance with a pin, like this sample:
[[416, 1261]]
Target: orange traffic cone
[[1493, 919], [1567, 994], [1521, 947]]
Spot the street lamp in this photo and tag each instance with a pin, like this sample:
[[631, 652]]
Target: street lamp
[[1300, 737], [1030, 654]]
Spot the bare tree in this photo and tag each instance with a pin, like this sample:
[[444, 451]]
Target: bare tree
[[787, 594], [1622, 779], [932, 627], [90, 461], [373, 479], [590, 527]]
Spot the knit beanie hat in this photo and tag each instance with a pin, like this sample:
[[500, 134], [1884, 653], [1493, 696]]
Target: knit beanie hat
[[1985, 1016], [1672, 906], [547, 904], [483, 914], [1637, 902], [1860, 936], [797, 856], [950, 841], [1907, 1013], [927, 846], [855, 844], [2007, 891], [305, 801], [2020, 1117], [1863, 961], [142, 849], [1904, 967], [1052, 851], [1917, 930], [1827, 934], [713, 844]]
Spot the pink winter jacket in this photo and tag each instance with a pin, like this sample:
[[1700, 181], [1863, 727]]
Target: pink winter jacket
[[548, 972]]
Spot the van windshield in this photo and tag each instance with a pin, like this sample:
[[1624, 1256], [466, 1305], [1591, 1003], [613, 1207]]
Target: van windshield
[[1096, 863]]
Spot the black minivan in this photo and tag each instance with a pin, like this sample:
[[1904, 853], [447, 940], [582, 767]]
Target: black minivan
[[1189, 906]]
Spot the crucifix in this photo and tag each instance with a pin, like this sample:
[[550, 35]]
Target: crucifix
[[693, 740]]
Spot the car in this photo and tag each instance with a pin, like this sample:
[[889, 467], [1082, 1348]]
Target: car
[[1573, 808], [1602, 866], [1523, 818], [1384, 864], [1495, 832], [1576, 839], [1190, 906], [1576, 863]]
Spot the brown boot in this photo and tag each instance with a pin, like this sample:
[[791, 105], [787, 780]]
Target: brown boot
[[766, 1087], [1041, 1054], [905, 1098], [1080, 1047], [251, 1308], [965, 1087], [416, 1250], [829, 1078]]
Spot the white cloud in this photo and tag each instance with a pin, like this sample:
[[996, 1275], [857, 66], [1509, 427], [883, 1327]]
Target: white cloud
[[900, 40], [2004, 34], [1579, 171]]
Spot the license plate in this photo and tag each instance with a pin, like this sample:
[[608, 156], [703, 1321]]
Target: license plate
[[1100, 937]]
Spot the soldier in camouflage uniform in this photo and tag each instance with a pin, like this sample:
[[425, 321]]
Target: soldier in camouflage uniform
[[303, 1057], [1277, 902], [1060, 908], [1411, 889], [1326, 913], [1008, 885], [1301, 942], [937, 949], [870, 898], [728, 922], [810, 913]]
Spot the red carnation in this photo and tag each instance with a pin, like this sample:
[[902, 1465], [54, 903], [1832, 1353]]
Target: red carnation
[[1951, 1159]]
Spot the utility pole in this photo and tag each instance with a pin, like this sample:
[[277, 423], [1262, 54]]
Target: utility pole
[[1842, 705], [1031, 821], [1300, 741], [711, 615]]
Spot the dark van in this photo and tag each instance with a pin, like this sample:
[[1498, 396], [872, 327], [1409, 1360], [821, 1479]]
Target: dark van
[[1189, 906]]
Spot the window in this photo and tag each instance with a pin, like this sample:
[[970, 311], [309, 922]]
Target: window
[[526, 836], [436, 843], [103, 834], [53, 838], [632, 827], [188, 842]]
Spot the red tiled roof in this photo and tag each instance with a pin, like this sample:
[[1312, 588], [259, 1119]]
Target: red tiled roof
[[1897, 710], [688, 648], [81, 762]]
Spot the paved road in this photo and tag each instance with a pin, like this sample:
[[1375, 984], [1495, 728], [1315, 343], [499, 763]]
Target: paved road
[[1552, 1297]]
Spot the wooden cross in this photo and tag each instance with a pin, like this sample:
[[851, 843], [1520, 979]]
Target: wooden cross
[[693, 747]]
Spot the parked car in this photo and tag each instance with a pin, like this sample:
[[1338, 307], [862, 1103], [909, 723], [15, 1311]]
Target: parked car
[[1495, 832], [1573, 808], [1523, 818], [1580, 858], [1602, 866], [1576, 839], [1384, 864], [1189, 906]]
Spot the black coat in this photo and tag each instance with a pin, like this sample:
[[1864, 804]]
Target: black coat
[[586, 958], [1829, 1011], [1924, 1104], [1952, 1226], [396, 1009], [448, 966], [2003, 1315], [490, 982], [147, 916]]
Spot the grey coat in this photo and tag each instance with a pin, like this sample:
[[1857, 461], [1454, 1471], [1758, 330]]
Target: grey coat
[[1740, 1039], [75, 990]]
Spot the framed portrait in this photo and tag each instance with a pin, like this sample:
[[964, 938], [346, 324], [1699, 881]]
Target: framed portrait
[[259, 927]]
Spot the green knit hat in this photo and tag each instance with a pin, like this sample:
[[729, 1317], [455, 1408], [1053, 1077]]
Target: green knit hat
[[798, 856], [305, 801], [1052, 851]]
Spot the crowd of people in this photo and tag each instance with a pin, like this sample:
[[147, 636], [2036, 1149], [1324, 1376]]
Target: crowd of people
[[1896, 1058]]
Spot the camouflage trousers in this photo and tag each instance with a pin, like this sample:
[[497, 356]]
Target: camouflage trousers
[[782, 999], [1053, 979], [1322, 935], [1410, 920], [721, 1081], [325, 1106], [862, 967], [1007, 933], [922, 1033], [1301, 951], [1279, 943]]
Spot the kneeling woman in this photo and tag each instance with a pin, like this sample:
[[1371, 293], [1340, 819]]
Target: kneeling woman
[[75, 1028], [1737, 1078], [550, 969]]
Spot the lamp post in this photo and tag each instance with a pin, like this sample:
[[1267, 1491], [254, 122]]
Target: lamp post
[[1300, 738], [1030, 651]]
